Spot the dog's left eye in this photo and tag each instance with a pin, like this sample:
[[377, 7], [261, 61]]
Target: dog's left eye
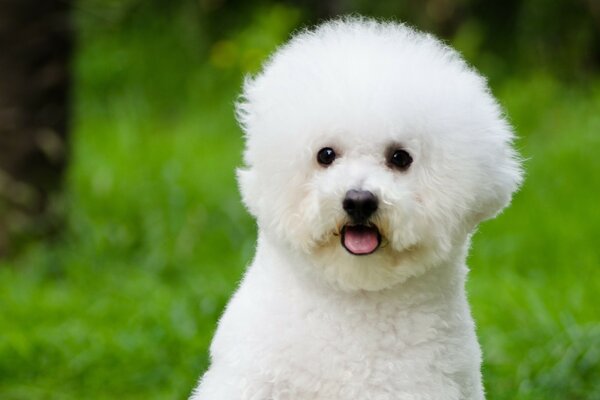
[[325, 156], [400, 159]]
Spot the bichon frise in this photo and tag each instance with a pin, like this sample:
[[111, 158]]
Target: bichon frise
[[372, 153]]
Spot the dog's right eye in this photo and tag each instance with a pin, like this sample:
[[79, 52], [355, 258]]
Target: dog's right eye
[[325, 156]]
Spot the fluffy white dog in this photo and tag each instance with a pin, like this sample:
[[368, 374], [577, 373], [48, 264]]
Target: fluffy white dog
[[372, 153]]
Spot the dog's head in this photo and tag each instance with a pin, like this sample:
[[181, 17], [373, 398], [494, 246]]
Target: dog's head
[[374, 151]]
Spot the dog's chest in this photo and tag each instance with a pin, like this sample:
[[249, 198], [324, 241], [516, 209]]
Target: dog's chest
[[281, 341], [328, 350]]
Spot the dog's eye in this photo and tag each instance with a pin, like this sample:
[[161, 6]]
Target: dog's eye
[[325, 156], [400, 159]]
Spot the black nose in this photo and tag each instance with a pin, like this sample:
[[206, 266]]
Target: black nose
[[360, 204]]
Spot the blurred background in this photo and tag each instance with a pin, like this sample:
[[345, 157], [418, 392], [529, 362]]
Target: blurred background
[[122, 234]]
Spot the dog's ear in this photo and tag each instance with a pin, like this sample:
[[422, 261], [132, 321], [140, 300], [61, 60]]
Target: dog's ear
[[499, 181], [247, 185]]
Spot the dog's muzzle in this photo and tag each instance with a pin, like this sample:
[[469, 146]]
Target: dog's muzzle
[[360, 237]]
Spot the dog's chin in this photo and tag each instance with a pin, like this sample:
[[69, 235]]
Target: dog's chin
[[360, 257]]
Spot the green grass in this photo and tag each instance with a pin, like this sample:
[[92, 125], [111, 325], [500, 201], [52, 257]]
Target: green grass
[[535, 275], [124, 304]]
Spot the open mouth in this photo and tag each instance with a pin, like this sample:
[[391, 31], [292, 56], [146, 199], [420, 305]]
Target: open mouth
[[360, 240]]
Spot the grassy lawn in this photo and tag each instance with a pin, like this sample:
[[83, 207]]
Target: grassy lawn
[[124, 304]]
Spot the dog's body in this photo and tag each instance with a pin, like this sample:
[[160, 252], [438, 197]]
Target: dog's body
[[300, 340], [372, 154]]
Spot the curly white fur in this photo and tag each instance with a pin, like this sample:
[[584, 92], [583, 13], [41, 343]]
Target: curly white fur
[[312, 321]]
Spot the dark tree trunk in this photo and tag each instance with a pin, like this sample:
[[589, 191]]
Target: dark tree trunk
[[35, 80]]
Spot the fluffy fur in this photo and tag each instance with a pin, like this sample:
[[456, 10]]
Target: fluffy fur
[[312, 321]]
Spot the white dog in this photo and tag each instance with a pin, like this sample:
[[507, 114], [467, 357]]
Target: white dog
[[373, 152]]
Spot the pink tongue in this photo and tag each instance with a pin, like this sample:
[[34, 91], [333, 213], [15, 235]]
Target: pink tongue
[[361, 239]]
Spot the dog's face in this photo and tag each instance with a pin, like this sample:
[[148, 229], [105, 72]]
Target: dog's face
[[373, 151]]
